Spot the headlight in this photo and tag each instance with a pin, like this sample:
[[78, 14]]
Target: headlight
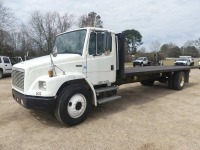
[[42, 85]]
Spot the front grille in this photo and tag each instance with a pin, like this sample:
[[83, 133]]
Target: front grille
[[180, 64], [18, 79]]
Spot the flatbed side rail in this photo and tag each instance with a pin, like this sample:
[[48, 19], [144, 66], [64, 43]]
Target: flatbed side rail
[[155, 69], [160, 73]]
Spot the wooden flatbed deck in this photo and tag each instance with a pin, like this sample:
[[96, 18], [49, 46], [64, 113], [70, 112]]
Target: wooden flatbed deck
[[155, 69]]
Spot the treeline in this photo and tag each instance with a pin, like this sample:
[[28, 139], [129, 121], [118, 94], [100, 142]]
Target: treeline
[[171, 50], [36, 37]]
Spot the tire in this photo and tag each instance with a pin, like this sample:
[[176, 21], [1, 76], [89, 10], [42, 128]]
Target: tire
[[133, 64], [179, 80], [73, 106], [141, 64], [171, 82], [1, 73], [147, 82]]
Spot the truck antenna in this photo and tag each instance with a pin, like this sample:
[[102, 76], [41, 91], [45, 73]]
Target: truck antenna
[[95, 19]]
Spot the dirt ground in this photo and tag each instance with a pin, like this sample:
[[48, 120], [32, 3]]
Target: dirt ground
[[146, 118]]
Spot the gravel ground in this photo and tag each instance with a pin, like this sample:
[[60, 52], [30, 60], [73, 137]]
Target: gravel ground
[[146, 118]]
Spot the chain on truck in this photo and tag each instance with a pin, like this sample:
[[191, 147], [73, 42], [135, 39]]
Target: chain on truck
[[86, 68]]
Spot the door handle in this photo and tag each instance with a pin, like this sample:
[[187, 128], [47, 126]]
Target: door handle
[[5, 65], [112, 67]]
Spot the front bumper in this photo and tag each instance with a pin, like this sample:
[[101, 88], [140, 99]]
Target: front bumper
[[34, 102], [137, 63]]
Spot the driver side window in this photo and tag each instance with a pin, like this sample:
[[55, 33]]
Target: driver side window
[[92, 43], [96, 43]]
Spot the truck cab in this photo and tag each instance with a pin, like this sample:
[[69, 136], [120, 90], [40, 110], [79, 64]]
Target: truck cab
[[141, 61], [184, 61], [5, 66], [85, 58]]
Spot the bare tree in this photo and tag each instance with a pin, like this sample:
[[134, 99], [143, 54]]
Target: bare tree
[[197, 44], [155, 46], [44, 28], [6, 17], [65, 22], [6, 24], [25, 43]]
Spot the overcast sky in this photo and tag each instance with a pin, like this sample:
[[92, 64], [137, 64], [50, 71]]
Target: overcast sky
[[165, 20]]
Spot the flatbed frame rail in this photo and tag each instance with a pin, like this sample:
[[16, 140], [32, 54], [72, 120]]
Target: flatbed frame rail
[[160, 73], [155, 69]]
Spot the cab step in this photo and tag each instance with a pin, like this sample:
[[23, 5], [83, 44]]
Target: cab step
[[108, 99], [106, 89]]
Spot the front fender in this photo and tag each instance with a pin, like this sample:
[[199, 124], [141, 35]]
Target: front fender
[[52, 84]]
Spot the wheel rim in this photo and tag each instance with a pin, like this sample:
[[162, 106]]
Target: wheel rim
[[76, 106], [181, 81]]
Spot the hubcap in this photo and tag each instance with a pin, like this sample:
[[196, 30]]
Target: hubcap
[[76, 106], [182, 80]]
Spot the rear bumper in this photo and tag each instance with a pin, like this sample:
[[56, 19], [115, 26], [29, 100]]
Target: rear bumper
[[34, 102]]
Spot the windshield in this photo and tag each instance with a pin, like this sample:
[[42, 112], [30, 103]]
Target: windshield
[[71, 42], [140, 58], [181, 59]]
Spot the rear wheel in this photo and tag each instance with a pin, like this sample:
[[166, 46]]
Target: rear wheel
[[179, 80], [147, 82], [73, 106]]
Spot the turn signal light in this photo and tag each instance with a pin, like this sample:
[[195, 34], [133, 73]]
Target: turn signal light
[[50, 72]]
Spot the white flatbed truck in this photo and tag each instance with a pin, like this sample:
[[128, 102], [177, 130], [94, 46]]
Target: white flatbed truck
[[86, 68]]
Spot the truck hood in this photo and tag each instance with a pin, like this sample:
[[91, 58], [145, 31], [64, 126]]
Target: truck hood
[[37, 68], [46, 61], [181, 62], [138, 61]]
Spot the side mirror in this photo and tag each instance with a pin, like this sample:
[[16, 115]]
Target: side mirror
[[55, 51], [107, 41]]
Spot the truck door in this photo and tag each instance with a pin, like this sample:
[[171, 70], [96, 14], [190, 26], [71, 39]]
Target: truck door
[[188, 62], [7, 65], [101, 64], [145, 61]]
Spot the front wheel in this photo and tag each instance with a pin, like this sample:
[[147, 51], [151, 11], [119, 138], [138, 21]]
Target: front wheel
[[73, 106]]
